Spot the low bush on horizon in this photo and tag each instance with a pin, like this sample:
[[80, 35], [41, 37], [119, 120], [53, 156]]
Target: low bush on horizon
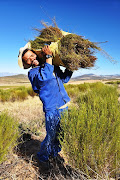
[[9, 134], [113, 82], [92, 132], [14, 94]]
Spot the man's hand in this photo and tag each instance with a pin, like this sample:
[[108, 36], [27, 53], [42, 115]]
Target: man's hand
[[35, 63], [46, 51]]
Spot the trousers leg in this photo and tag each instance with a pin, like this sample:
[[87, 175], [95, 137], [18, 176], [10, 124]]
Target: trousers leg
[[51, 145]]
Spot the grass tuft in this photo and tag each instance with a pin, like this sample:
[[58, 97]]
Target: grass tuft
[[92, 131], [8, 135], [16, 94]]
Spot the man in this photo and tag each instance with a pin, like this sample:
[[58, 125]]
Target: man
[[47, 80]]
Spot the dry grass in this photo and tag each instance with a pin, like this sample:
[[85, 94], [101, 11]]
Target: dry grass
[[29, 113], [74, 50], [26, 111], [84, 81], [88, 81], [21, 168], [17, 168]]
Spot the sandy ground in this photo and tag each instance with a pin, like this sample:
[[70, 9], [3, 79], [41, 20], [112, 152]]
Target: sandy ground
[[89, 81], [84, 81]]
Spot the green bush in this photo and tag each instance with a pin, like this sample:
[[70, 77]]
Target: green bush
[[96, 85], [8, 135], [74, 90], [92, 132], [113, 82], [4, 95], [31, 92], [13, 94], [21, 95]]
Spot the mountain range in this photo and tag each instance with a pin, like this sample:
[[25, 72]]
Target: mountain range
[[96, 77], [82, 77], [3, 74]]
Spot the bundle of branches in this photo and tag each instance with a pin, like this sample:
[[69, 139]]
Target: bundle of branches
[[69, 50]]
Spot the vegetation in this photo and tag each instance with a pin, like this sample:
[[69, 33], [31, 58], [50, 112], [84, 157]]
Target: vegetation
[[8, 135], [14, 94], [92, 131], [91, 128], [73, 51], [113, 82]]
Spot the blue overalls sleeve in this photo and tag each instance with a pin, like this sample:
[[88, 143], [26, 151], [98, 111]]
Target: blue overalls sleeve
[[40, 75], [64, 76], [45, 72]]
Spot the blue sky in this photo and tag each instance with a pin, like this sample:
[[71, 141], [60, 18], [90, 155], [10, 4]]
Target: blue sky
[[98, 21]]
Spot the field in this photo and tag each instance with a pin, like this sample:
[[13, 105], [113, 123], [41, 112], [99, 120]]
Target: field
[[22, 162]]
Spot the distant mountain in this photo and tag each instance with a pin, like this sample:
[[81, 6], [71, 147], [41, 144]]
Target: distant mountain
[[2, 74], [6, 74], [18, 76], [96, 77], [82, 77], [14, 79]]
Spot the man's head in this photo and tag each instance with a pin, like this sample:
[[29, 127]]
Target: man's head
[[27, 57]]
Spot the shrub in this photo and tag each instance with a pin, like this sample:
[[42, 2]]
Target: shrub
[[92, 132], [8, 135], [31, 92], [96, 85], [113, 82], [21, 95], [4, 95], [13, 94], [74, 90], [84, 87]]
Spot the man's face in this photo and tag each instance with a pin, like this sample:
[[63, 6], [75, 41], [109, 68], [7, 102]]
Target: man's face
[[29, 59]]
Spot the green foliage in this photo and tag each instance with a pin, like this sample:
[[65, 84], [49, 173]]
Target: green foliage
[[92, 131], [21, 93], [113, 82], [8, 135], [74, 90], [31, 92], [4, 95]]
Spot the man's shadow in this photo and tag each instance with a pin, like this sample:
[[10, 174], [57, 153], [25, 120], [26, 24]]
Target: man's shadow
[[28, 148]]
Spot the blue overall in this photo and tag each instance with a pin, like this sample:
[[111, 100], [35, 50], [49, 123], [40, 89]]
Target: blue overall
[[53, 95]]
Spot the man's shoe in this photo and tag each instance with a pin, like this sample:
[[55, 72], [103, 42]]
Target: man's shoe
[[44, 165], [58, 159]]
